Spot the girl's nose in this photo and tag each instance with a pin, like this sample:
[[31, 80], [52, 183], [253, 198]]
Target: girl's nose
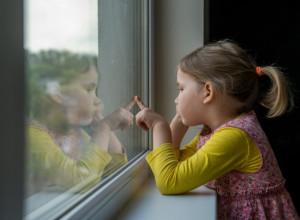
[[97, 101], [176, 100]]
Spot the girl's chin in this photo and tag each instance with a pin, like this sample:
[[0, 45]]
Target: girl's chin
[[86, 122], [186, 123]]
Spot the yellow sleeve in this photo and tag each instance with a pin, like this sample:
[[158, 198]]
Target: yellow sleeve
[[188, 150], [46, 158], [228, 149]]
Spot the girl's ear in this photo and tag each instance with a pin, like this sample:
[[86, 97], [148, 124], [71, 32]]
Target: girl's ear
[[52, 88], [56, 97], [209, 92]]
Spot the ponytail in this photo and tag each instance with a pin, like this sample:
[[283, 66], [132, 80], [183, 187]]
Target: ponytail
[[279, 97]]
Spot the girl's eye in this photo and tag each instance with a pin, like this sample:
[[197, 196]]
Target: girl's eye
[[89, 90]]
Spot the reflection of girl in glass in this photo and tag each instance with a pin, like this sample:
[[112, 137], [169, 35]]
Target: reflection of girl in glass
[[62, 97]]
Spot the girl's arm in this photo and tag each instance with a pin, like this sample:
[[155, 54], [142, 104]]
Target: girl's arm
[[161, 133], [103, 127], [115, 145], [228, 149], [178, 130], [104, 137]]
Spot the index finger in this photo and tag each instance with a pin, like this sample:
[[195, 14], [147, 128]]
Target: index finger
[[140, 103], [130, 105]]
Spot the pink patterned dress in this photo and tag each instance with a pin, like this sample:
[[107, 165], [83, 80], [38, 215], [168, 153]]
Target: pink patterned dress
[[260, 195]]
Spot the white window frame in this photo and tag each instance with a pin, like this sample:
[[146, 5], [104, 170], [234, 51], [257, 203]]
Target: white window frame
[[107, 201]]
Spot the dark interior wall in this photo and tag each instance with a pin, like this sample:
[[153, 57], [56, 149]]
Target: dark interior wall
[[270, 31], [12, 109]]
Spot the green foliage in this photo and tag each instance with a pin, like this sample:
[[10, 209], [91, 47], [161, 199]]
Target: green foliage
[[60, 66]]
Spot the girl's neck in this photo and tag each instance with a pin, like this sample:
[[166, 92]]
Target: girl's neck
[[60, 126], [222, 112], [219, 120]]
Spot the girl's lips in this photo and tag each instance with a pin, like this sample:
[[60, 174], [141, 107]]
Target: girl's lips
[[100, 108], [98, 111]]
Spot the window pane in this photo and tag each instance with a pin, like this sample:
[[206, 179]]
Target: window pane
[[123, 60], [86, 60]]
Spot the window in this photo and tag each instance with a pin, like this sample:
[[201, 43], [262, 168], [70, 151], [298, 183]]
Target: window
[[85, 61]]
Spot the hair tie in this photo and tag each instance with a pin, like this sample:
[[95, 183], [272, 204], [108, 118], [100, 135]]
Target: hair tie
[[258, 71]]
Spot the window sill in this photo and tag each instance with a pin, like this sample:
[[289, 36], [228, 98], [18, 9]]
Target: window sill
[[104, 203], [149, 204]]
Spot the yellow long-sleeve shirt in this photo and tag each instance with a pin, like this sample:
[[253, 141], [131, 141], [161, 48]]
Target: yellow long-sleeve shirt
[[179, 171], [48, 165]]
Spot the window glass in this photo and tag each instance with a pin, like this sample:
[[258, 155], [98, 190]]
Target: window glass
[[85, 61]]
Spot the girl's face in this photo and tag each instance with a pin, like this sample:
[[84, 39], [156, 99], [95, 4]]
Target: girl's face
[[189, 102], [80, 100]]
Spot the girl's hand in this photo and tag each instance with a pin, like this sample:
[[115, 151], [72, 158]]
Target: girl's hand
[[177, 120], [98, 115], [178, 130], [177, 123], [147, 118], [122, 118], [97, 118]]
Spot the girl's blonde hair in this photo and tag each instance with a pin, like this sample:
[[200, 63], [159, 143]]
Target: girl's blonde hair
[[231, 71]]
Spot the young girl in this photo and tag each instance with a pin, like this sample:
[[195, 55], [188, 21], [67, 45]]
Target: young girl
[[219, 86], [62, 95]]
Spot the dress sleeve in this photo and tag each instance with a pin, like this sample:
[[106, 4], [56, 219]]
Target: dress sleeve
[[175, 173], [46, 158]]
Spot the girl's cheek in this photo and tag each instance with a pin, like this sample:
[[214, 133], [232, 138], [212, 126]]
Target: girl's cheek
[[87, 104], [84, 104]]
